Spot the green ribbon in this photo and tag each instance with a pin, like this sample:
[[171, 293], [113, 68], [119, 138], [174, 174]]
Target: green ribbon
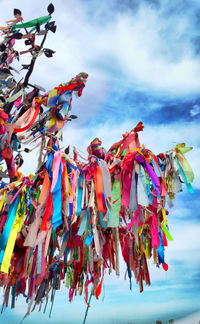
[[183, 176], [165, 230], [32, 23]]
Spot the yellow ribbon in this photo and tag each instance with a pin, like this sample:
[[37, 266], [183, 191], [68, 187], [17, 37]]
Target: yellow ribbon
[[52, 121], [69, 186], [50, 148], [164, 216], [140, 238], [53, 93], [148, 254], [16, 227], [2, 200], [140, 152]]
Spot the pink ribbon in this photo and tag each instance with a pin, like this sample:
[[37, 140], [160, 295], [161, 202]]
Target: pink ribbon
[[155, 241], [134, 219]]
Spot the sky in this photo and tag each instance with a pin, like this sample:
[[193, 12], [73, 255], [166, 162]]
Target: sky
[[142, 57]]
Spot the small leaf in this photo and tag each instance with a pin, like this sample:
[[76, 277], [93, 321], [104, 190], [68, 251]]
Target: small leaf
[[67, 150], [51, 26], [73, 116], [48, 52], [50, 8], [53, 29], [17, 12], [27, 42]]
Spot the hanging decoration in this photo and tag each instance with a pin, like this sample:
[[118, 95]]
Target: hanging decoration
[[70, 221]]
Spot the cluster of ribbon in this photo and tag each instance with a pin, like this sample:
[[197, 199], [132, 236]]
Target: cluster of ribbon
[[69, 220], [25, 115]]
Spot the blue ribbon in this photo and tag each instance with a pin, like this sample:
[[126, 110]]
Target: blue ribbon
[[89, 239], [67, 250], [9, 222], [3, 184], [15, 143], [80, 193], [20, 260], [20, 288], [57, 202], [49, 164], [160, 249], [83, 224], [71, 165], [129, 274], [70, 209]]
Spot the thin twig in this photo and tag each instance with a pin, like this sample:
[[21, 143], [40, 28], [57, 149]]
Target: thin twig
[[86, 312]]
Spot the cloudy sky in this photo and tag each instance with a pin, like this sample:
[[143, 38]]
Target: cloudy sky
[[142, 57]]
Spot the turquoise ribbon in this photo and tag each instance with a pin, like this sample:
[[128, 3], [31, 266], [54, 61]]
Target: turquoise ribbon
[[88, 219], [6, 232], [102, 222], [83, 224], [79, 198], [89, 239], [57, 202]]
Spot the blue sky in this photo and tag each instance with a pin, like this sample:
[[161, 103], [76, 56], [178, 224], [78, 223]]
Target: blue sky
[[143, 63]]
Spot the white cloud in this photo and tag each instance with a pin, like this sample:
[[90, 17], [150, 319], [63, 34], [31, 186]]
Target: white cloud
[[143, 53], [191, 319], [195, 110], [142, 45]]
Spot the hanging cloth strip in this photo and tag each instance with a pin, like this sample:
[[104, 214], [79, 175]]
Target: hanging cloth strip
[[16, 227], [99, 189], [27, 118], [56, 190], [7, 229], [188, 185], [33, 23], [115, 204]]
